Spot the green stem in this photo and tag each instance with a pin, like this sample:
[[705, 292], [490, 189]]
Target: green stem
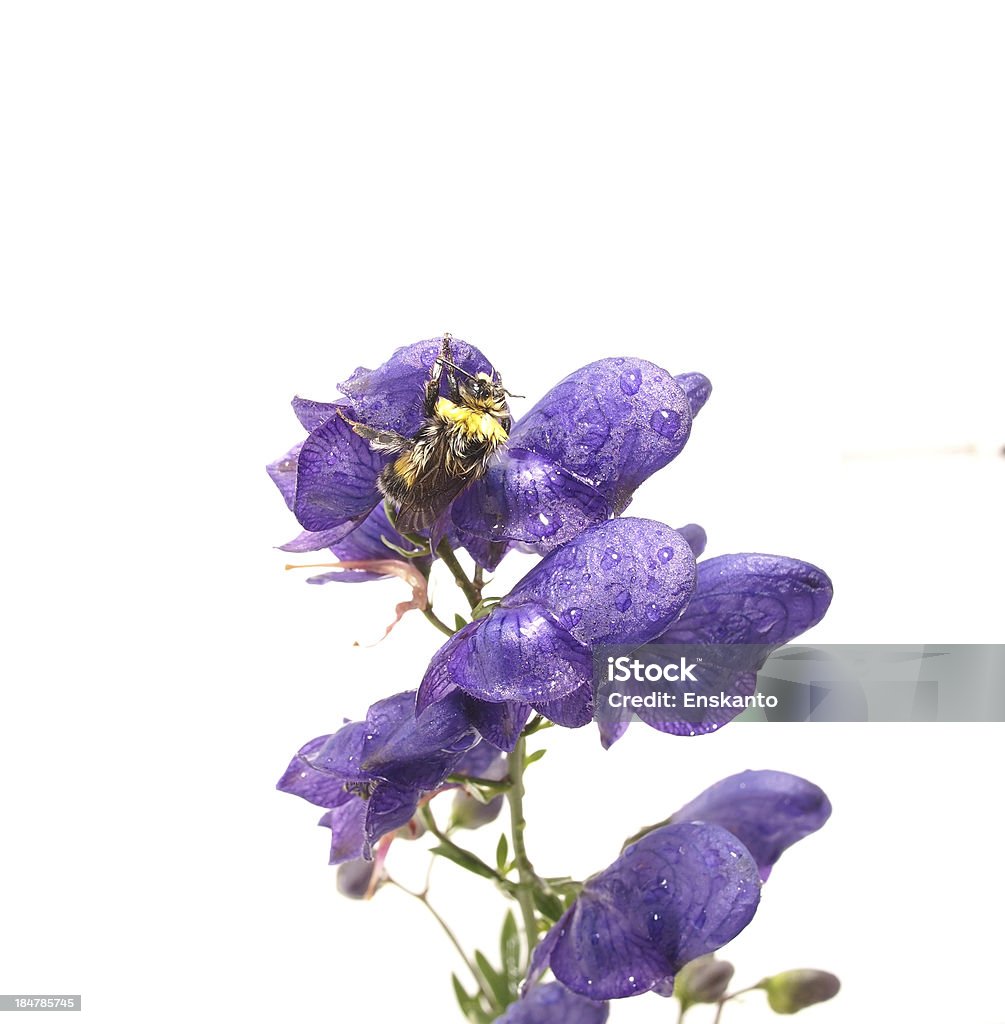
[[437, 621], [732, 995], [430, 822], [445, 552], [423, 898], [495, 785], [525, 870]]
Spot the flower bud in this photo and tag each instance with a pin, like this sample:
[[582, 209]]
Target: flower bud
[[353, 878], [702, 981], [792, 991], [468, 812]]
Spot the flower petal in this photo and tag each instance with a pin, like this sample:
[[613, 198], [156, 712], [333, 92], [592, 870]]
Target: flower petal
[[679, 892], [388, 808], [498, 723], [767, 811], [302, 778], [284, 474], [417, 751], [525, 497], [366, 543], [612, 423], [346, 823], [697, 387], [621, 581], [336, 477], [391, 396], [554, 1004], [695, 537], [752, 599], [310, 540], [513, 654], [572, 711], [313, 414], [726, 678]]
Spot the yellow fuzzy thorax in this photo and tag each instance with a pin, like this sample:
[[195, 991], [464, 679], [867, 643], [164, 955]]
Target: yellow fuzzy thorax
[[479, 425]]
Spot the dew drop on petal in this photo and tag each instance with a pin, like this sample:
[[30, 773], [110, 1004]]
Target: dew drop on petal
[[572, 617], [623, 601], [665, 554], [610, 559], [631, 381], [595, 939], [665, 422], [652, 611]]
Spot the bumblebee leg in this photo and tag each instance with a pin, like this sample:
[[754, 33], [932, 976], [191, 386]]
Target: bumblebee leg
[[380, 440], [443, 362], [446, 361]]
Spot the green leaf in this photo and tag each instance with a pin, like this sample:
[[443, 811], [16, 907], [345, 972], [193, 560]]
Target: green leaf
[[464, 859], [549, 905], [536, 756], [502, 853], [510, 948], [496, 982], [470, 1005], [460, 622]]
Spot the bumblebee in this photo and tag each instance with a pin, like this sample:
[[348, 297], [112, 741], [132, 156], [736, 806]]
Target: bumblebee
[[460, 432]]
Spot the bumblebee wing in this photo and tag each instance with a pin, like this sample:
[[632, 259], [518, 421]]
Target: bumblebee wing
[[427, 499]]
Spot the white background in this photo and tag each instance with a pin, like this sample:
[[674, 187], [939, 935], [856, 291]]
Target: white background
[[210, 207]]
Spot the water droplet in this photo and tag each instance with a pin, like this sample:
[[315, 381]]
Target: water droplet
[[595, 939], [652, 611], [665, 422], [665, 554], [631, 381], [610, 559], [572, 617], [664, 883], [546, 524], [623, 601]]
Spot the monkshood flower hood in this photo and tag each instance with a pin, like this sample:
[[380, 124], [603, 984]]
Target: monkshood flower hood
[[681, 889], [574, 460], [624, 581]]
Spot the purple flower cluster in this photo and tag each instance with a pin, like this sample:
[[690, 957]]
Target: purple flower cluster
[[558, 489]]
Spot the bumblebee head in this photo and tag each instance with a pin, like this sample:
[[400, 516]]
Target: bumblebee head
[[485, 394]]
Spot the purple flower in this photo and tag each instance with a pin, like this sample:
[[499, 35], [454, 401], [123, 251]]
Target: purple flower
[[677, 893], [755, 603], [767, 811], [371, 775], [622, 581], [577, 457], [330, 480], [574, 460], [554, 1004], [366, 544]]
